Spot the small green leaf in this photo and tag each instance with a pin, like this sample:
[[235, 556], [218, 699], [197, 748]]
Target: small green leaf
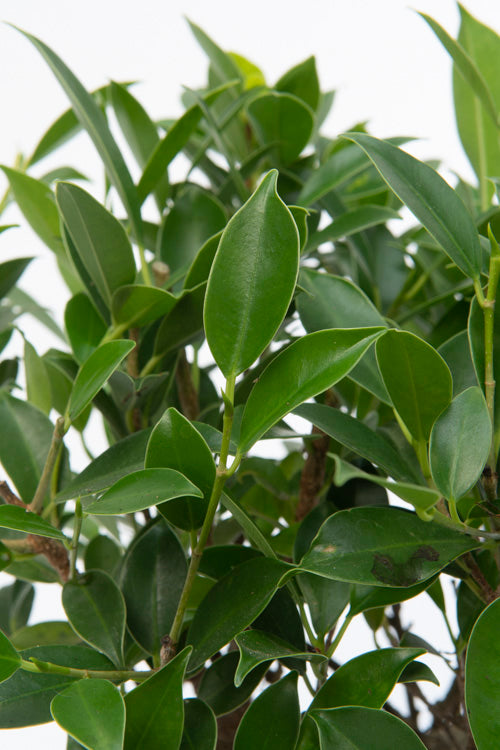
[[272, 721], [435, 204], [356, 728], [10, 272], [199, 270], [15, 517], [95, 609], [142, 489], [136, 305], [84, 326], [93, 712], [159, 698], [94, 373], [417, 378], [183, 323], [307, 367], [137, 127], [417, 671], [252, 279], [200, 726], [302, 82], [383, 547], [460, 443], [364, 598], [10, 661], [217, 688], [223, 63], [283, 121], [37, 379], [482, 678]]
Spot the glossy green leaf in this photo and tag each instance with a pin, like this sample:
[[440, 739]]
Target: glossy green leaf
[[102, 553], [252, 531], [84, 326], [136, 305], [217, 687], [92, 119], [257, 647], [252, 279], [460, 443], [417, 671], [93, 712], [94, 373], [199, 270], [352, 222], [272, 720], [482, 678], [183, 323], [435, 204], [364, 598], [357, 728], [366, 680], [10, 272], [417, 378], [383, 547], [457, 355], [10, 661], [37, 379], [95, 609], [142, 489], [152, 577], [302, 82], [160, 696], [15, 517], [307, 367], [175, 443], [200, 726], [282, 121], [100, 240], [16, 601], [232, 604], [47, 633], [136, 125]]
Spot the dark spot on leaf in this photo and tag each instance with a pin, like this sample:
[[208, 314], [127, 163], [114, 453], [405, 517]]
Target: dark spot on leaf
[[426, 552], [386, 570]]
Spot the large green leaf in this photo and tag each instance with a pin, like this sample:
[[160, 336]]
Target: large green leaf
[[93, 120], [482, 678], [95, 609], [152, 577], [282, 121], [417, 378], [200, 726], [84, 326], [356, 728], [10, 661], [94, 373], [460, 443], [365, 680], [143, 489], [272, 721], [37, 379], [15, 517], [155, 710], [307, 367], [435, 204], [252, 279], [232, 604], [383, 547], [93, 712], [99, 239]]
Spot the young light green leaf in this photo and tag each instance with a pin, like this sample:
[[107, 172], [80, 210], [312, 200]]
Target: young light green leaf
[[93, 712], [417, 379], [383, 547], [94, 373], [252, 279], [482, 678], [200, 726], [307, 367], [10, 661], [435, 204], [15, 517], [359, 728], [37, 379], [160, 696], [84, 326], [99, 239], [283, 121], [143, 489], [460, 443]]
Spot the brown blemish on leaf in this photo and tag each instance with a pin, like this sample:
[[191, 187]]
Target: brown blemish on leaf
[[329, 549], [386, 570]]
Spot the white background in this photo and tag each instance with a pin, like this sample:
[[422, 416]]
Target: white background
[[383, 60]]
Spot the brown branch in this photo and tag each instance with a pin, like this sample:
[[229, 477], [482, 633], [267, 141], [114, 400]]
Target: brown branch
[[188, 395], [488, 593]]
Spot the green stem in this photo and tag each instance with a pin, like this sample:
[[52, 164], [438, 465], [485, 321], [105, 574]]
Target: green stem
[[347, 621], [150, 365], [144, 267], [313, 639], [115, 675], [36, 504], [74, 542]]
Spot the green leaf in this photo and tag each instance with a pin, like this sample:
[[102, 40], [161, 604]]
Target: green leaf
[[383, 547], [301, 81], [136, 305], [200, 267], [152, 578], [435, 204], [252, 279], [95, 609], [37, 380], [417, 378], [102, 553], [143, 489], [359, 438], [93, 712], [457, 355], [232, 604], [223, 63], [10, 661], [175, 443], [354, 728], [200, 726], [482, 678], [10, 272], [307, 367], [183, 323], [272, 720], [283, 121], [136, 125], [155, 710], [47, 633], [460, 443], [84, 326], [15, 517], [16, 602], [94, 373], [99, 239], [92, 119], [417, 671], [364, 598], [352, 222], [252, 531], [217, 684], [257, 647], [366, 680]]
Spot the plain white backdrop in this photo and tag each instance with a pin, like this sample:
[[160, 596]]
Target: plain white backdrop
[[381, 58]]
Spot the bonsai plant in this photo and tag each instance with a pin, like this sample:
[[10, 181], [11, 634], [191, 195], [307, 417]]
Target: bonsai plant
[[184, 556]]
